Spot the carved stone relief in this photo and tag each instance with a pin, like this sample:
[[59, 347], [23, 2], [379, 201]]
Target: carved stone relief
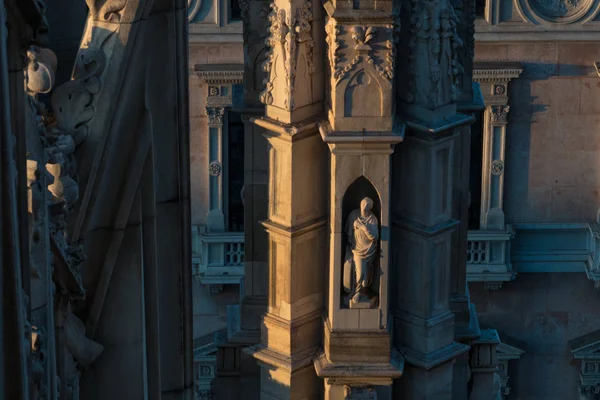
[[360, 247], [499, 114], [215, 115], [554, 10], [51, 163], [362, 229], [434, 67], [291, 55], [361, 72]]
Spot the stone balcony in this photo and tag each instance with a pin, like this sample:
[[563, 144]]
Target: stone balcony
[[217, 258], [488, 257]]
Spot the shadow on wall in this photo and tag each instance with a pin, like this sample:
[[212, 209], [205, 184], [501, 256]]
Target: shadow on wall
[[551, 138]]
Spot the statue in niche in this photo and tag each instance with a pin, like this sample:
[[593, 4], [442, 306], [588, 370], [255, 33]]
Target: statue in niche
[[362, 228]]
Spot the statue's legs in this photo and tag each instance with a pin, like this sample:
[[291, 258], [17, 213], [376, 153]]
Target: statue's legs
[[360, 266]]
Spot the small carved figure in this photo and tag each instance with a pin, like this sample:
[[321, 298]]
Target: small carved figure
[[362, 229]]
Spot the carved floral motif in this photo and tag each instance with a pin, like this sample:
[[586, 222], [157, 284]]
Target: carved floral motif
[[499, 114], [363, 38], [215, 115]]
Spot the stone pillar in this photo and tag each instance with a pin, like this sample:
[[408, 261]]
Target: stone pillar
[[290, 331], [361, 131], [424, 215], [244, 321], [492, 194], [215, 219], [486, 382], [470, 101]]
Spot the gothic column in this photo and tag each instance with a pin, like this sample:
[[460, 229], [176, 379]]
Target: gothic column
[[290, 331], [423, 189], [361, 131]]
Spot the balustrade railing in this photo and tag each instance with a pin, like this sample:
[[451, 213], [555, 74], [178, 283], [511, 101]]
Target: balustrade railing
[[488, 257], [218, 258]]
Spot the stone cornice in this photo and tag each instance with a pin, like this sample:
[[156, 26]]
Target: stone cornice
[[220, 73], [496, 72]]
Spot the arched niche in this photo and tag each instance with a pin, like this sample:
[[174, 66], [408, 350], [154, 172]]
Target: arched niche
[[358, 190], [363, 96]]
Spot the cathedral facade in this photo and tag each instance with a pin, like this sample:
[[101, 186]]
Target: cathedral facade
[[530, 191]]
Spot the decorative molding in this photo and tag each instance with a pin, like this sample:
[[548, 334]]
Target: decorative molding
[[215, 115], [499, 115], [508, 350], [553, 247], [434, 36], [214, 168], [488, 257], [586, 349], [496, 73], [291, 36], [593, 270], [220, 74]]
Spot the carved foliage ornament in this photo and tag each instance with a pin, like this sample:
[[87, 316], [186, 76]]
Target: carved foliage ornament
[[363, 45], [215, 115], [290, 35], [434, 35], [499, 114]]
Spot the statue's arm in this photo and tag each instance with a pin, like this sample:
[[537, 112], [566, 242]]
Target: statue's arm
[[371, 230]]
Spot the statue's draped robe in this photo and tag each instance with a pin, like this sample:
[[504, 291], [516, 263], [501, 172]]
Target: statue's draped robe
[[363, 241]]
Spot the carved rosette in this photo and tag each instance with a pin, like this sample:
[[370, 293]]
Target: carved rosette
[[290, 42], [499, 115], [215, 115], [434, 65]]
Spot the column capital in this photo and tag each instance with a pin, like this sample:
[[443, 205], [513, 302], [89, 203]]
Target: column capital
[[215, 115], [499, 114]]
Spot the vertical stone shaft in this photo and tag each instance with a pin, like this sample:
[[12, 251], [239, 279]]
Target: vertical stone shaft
[[424, 189], [466, 326], [254, 294], [361, 130], [296, 201]]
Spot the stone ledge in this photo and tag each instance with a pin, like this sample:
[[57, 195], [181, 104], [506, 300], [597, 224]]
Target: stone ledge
[[270, 358], [372, 374], [357, 346], [437, 358]]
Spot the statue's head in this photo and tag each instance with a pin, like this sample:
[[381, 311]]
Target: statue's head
[[366, 205]]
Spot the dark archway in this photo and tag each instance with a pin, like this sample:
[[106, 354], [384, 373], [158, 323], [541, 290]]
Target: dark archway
[[358, 190]]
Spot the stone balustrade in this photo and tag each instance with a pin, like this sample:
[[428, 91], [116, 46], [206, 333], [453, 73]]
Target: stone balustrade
[[218, 258], [488, 257]]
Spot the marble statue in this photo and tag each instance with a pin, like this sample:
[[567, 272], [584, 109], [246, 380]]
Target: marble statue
[[362, 229]]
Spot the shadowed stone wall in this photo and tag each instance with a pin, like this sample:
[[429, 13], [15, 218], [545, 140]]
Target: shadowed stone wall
[[544, 311], [553, 135]]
